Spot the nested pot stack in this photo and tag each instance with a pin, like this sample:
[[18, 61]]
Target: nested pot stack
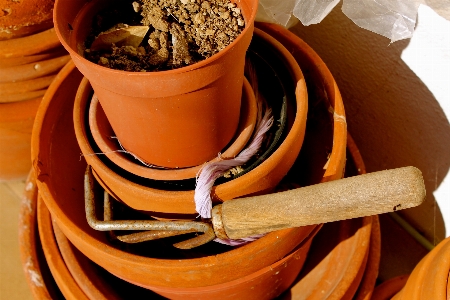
[[30, 57], [63, 144]]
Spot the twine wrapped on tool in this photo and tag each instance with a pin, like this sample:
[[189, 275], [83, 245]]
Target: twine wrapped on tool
[[211, 171]]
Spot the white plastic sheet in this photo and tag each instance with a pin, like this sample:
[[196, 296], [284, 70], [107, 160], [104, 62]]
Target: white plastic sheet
[[394, 19]]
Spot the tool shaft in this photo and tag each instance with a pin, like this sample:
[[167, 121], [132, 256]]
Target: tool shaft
[[352, 197]]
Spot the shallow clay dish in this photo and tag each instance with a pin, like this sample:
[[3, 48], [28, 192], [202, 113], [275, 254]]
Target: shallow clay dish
[[429, 278], [16, 123], [60, 273], [29, 45], [102, 134], [389, 288], [19, 18], [37, 273], [33, 70], [321, 87], [20, 87], [60, 170], [264, 284], [148, 195]]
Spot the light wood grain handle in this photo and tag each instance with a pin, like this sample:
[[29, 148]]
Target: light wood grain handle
[[352, 197]]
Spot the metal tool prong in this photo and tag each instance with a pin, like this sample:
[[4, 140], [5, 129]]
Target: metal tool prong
[[159, 228]]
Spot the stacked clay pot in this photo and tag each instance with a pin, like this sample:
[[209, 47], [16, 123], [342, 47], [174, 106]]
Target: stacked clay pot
[[60, 166], [28, 64], [344, 267], [25, 17], [429, 279]]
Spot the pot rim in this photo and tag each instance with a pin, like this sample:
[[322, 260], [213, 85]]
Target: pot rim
[[72, 49]]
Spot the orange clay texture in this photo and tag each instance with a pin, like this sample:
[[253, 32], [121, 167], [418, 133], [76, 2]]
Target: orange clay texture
[[16, 16]]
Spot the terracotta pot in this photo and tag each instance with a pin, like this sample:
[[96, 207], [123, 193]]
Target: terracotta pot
[[22, 60], [23, 96], [429, 279], [264, 284], [16, 123], [29, 45], [13, 33], [368, 281], [265, 176], [267, 283], [336, 263], [322, 86], [95, 282], [19, 18], [344, 258], [61, 274], [55, 153], [33, 70], [21, 87], [355, 166], [102, 132], [37, 274], [171, 133], [389, 288]]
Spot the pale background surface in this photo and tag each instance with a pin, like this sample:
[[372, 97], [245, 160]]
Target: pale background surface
[[12, 279]]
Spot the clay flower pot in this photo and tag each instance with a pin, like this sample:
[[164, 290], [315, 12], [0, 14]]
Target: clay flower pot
[[33, 70], [24, 87], [344, 257], [102, 134], [16, 123], [264, 284], [267, 283], [429, 279], [176, 118], [265, 176], [60, 273], [21, 18], [95, 282], [22, 60], [389, 288], [55, 152], [355, 166], [321, 85], [34, 265], [29, 45]]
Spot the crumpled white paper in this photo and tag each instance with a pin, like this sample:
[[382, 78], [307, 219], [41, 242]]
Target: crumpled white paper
[[394, 19]]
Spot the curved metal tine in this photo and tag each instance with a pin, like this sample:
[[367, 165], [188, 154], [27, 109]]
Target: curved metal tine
[[138, 237], [176, 227], [206, 237], [150, 235]]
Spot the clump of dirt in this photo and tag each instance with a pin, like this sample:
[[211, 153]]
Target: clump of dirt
[[152, 35]]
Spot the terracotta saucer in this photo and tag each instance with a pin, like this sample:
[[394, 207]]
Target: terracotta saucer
[[60, 273], [37, 274], [103, 134], [389, 288], [60, 170], [98, 284], [344, 258]]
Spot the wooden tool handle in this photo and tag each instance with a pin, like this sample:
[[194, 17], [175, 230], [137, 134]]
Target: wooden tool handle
[[352, 197]]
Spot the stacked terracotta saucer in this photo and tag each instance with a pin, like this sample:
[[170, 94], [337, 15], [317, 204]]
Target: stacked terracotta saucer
[[30, 57], [343, 261]]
